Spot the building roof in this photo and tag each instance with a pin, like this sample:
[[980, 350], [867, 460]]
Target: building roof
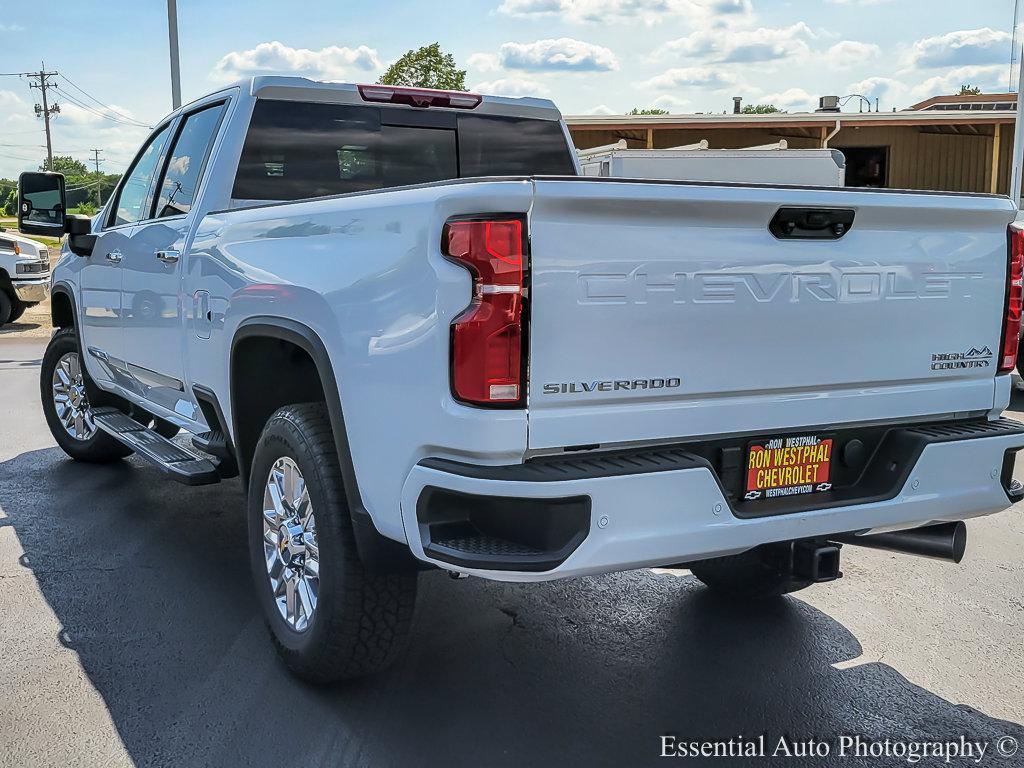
[[944, 121], [966, 100]]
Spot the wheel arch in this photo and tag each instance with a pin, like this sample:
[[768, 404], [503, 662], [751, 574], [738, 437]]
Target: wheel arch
[[376, 551], [62, 306], [5, 283]]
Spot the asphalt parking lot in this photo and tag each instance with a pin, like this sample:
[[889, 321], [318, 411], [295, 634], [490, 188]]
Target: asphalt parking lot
[[129, 635]]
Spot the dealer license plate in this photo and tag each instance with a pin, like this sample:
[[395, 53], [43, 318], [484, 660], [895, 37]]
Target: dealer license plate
[[788, 466]]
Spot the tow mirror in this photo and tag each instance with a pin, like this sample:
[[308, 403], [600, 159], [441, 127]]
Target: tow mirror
[[41, 204], [81, 240]]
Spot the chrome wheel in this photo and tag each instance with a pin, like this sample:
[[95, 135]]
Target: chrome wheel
[[70, 399], [290, 548]]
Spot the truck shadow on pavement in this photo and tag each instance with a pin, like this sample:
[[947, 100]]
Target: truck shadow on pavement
[[19, 326], [150, 584]]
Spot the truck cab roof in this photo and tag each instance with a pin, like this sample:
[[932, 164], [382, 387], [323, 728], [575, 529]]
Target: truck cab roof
[[284, 88]]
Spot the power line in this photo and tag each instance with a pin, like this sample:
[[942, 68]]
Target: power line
[[127, 118], [77, 102], [97, 101], [17, 157]]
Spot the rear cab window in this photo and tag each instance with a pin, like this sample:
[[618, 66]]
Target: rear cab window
[[296, 150]]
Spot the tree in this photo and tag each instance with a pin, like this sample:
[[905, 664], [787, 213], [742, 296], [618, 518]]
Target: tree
[[9, 205], [761, 109], [67, 165], [426, 67], [970, 90], [651, 111]]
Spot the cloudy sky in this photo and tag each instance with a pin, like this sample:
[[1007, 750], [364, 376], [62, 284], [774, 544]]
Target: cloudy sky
[[590, 56]]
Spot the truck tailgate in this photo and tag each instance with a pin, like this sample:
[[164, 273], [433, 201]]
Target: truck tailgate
[[667, 310]]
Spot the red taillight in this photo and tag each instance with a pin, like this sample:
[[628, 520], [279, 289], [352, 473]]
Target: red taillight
[[487, 339], [420, 97], [1014, 299]]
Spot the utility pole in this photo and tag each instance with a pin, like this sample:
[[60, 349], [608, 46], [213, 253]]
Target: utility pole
[[99, 179], [172, 36], [41, 81], [1017, 161], [1014, 42]]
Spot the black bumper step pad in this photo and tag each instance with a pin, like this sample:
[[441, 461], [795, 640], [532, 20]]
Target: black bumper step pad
[[174, 461]]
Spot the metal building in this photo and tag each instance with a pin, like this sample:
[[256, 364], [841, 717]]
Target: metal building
[[947, 143]]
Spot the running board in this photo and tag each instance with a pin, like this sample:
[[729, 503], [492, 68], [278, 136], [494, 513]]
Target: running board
[[175, 462]]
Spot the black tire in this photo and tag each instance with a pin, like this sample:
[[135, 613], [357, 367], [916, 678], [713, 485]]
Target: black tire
[[99, 447], [361, 620], [6, 308], [17, 310], [748, 575]]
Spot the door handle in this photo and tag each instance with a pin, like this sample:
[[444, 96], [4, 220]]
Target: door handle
[[811, 223], [114, 256], [168, 257]]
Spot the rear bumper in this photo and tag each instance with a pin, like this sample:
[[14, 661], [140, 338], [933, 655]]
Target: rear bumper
[[671, 510], [31, 291]]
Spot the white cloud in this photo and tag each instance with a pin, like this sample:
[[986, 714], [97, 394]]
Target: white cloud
[[858, 2], [483, 62], [512, 86], [533, 7], [847, 54], [791, 100], [331, 63], [961, 48], [729, 7], [564, 54], [889, 91], [989, 78], [894, 92], [11, 100], [712, 78], [600, 109], [719, 13], [743, 45], [179, 165], [95, 116], [699, 12], [672, 103]]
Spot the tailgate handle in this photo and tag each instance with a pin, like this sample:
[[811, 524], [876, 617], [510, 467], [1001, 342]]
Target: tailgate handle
[[811, 223]]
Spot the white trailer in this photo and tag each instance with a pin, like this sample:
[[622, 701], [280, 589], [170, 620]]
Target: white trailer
[[758, 165]]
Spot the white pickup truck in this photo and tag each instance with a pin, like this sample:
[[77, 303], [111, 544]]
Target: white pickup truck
[[24, 275], [423, 341]]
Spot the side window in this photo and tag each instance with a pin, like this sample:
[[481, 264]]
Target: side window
[[187, 158], [131, 204]]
